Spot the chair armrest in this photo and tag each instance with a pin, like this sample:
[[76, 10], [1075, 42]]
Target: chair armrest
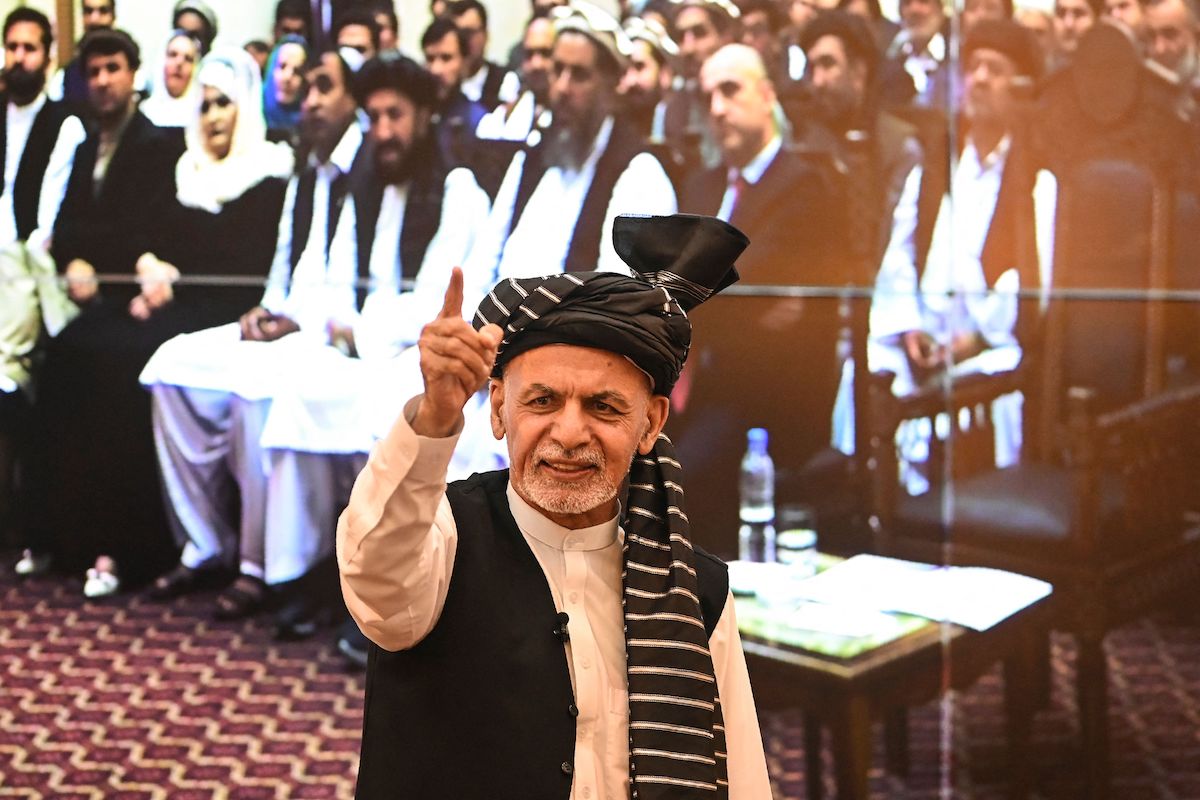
[[958, 392]]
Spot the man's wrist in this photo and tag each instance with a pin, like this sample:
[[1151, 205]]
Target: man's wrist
[[426, 421]]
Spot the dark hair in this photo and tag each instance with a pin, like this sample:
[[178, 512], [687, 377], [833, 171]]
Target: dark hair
[[358, 16], [721, 21], [768, 7], [109, 42], [1010, 38], [385, 7], [392, 70], [294, 9], [111, 4], [25, 14], [257, 46], [332, 50], [456, 8], [439, 29], [209, 22], [851, 30]]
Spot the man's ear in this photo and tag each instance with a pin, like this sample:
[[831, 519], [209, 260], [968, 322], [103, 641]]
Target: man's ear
[[496, 400], [656, 417]]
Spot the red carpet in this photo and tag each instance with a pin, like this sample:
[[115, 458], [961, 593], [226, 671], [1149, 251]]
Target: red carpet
[[131, 699]]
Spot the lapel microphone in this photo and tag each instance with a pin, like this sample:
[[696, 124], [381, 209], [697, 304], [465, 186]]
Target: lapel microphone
[[560, 630]]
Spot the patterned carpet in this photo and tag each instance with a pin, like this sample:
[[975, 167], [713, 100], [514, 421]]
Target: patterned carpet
[[133, 700]]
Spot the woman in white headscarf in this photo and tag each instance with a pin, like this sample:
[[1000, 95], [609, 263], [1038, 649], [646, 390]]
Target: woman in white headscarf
[[230, 183], [174, 95]]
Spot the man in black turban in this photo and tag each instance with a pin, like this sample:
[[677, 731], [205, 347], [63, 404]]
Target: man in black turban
[[536, 636]]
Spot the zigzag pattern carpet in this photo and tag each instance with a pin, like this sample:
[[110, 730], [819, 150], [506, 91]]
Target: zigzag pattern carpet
[[133, 700]]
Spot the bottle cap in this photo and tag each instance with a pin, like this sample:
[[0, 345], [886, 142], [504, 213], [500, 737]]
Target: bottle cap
[[757, 436]]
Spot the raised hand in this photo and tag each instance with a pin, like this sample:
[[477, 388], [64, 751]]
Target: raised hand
[[456, 360]]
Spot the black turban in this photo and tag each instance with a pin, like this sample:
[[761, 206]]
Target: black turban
[[681, 261]]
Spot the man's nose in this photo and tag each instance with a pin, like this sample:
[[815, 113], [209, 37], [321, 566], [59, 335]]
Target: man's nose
[[571, 427]]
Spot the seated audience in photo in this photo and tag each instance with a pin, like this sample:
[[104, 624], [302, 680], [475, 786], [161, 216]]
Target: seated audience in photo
[[760, 361], [387, 21], [700, 28], [293, 18], [260, 51], [212, 389], [414, 220], [1072, 19], [976, 11], [174, 97], [869, 11], [1131, 14], [40, 139], [994, 234], [515, 121], [1174, 28], [283, 88], [197, 18], [555, 207], [921, 50], [761, 26], [69, 84], [843, 64], [1040, 23], [357, 30], [455, 116], [110, 234], [648, 78], [483, 81]]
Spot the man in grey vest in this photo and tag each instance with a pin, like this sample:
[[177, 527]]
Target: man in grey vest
[[560, 639]]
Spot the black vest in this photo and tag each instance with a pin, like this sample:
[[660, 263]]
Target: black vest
[[584, 250], [482, 707], [27, 187], [302, 210], [422, 216], [489, 94]]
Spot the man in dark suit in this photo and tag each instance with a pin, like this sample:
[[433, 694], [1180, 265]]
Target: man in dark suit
[[483, 81], [761, 361]]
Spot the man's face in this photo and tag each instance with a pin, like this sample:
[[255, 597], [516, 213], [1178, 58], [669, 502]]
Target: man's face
[[180, 64], [388, 35], [445, 61], [697, 37], [756, 33], [397, 124], [641, 84], [574, 418], [1129, 12], [1172, 37], [24, 61], [296, 26], [110, 85], [921, 18], [538, 57], [357, 37], [975, 11], [1072, 19], [471, 24], [988, 97], [218, 120], [98, 14], [289, 74], [838, 83], [581, 92], [328, 106], [740, 106]]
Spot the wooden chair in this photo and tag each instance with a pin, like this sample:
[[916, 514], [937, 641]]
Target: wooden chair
[[1102, 504]]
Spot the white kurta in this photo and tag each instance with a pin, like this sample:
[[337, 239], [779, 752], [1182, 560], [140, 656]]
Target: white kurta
[[539, 243], [396, 548], [956, 297]]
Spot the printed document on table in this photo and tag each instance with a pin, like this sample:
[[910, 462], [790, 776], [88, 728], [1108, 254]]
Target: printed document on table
[[975, 597]]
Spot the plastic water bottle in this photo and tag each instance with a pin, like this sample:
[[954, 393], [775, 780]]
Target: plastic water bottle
[[756, 495]]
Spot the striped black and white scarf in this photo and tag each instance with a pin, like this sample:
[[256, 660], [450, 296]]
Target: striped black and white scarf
[[676, 733]]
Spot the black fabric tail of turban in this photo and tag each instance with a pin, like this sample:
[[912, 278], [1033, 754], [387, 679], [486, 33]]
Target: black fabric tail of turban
[[676, 730]]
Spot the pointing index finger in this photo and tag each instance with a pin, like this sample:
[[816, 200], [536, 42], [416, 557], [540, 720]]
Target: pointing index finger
[[452, 305]]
